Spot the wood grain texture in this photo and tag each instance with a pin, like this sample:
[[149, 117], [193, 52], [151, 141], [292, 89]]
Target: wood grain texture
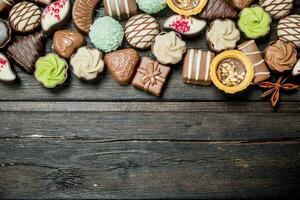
[[89, 169]]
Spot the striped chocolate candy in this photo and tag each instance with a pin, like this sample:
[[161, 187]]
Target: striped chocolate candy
[[277, 8], [120, 9], [289, 29]]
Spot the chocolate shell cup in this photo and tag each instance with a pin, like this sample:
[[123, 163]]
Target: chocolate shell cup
[[5, 33], [233, 54], [173, 4]]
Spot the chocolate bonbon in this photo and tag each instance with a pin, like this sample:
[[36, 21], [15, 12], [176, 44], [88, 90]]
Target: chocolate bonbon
[[5, 33], [151, 76], [261, 72], [120, 9], [82, 14], [44, 2], [277, 8], [222, 35], [66, 42], [218, 9], [151, 6], [25, 51], [296, 69], [196, 67], [122, 64], [231, 71], [106, 34], [254, 22], [6, 73], [140, 31], [280, 56], [55, 15], [289, 29], [6, 5], [25, 17], [186, 26], [87, 63], [51, 70], [168, 48], [240, 4], [186, 7]]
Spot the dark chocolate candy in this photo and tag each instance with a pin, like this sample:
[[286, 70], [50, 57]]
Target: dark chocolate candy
[[82, 14], [5, 33], [196, 67], [122, 64], [120, 9], [218, 9], [151, 76], [6, 5], [66, 42], [27, 50]]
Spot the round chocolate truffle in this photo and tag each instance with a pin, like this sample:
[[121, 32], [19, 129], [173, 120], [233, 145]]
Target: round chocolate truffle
[[151, 6]]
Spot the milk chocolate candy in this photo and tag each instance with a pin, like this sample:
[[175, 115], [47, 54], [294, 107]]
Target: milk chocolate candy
[[218, 9], [66, 42], [289, 29], [27, 50], [261, 72], [122, 64], [83, 11], [25, 17], [240, 4], [120, 9], [6, 5], [6, 73], [196, 66], [5, 33], [151, 76]]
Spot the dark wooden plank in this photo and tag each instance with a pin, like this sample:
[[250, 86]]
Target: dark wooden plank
[[88, 169], [107, 89], [154, 122]]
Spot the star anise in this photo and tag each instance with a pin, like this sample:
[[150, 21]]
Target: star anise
[[274, 89]]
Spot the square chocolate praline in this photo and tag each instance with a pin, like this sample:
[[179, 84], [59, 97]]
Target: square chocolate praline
[[151, 76], [196, 67]]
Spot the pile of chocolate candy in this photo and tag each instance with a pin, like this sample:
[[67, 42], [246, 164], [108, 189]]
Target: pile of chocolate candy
[[233, 63]]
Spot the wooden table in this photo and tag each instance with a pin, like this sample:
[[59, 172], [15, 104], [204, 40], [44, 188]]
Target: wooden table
[[103, 140]]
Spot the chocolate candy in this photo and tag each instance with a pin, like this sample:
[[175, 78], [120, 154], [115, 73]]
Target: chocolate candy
[[196, 66], [186, 26], [289, 29], [55, 15], [6, 5], [186, 7], [6, 73], [25, 17], [122, 64], [66, 42], [82, 14], [217, 9], [140, 31], [240, 4], [27, 50], [296, 69], [277, 8], [261, 72], [44, 2], [151, 76], [5, 33], [120, 9]]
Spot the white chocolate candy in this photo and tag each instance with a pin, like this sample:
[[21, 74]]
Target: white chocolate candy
[[296, 69], [277, 8], [6, 74], [188, 26], [55, 13]]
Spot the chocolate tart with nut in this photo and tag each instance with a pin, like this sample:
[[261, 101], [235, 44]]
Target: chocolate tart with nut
[[231, 71]]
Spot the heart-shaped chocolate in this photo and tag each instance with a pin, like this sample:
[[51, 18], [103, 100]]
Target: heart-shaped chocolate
[[122, 64], [66, 42]]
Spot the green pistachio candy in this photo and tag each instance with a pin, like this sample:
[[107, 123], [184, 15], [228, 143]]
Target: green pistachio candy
[[254, 22], [51, 70], [151, 6]]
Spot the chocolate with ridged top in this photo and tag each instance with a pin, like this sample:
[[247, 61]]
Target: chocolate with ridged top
[[27, 50], [218, 9]]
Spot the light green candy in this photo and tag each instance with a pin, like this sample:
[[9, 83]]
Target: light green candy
[[51, 70], [106, 34], [151, 6], [254, 22]]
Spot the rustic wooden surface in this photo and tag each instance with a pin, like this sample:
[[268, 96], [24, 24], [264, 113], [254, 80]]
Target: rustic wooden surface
[[103, 140]]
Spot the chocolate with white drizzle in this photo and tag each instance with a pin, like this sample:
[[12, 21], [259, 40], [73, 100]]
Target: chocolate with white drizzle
[[120, 9], [261, 72]]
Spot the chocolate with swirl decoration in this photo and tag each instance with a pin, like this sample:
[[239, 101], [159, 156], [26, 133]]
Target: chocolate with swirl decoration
[[151, 76]]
